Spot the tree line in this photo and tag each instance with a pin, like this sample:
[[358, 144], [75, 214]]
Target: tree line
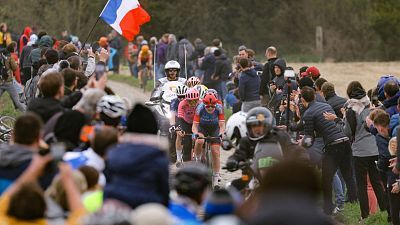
[[353, 30]]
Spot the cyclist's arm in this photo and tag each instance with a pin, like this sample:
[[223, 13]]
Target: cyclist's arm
[[196, 122], [221, 120], [139, 62], [172, 119], [150, 62]]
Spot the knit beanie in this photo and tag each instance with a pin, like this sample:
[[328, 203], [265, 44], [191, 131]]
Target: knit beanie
[[142, 120]]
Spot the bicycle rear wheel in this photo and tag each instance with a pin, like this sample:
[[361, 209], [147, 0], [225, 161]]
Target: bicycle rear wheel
[[145, 77], [208, 160]]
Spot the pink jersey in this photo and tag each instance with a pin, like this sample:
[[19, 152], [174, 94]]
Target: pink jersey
[[186, 112]]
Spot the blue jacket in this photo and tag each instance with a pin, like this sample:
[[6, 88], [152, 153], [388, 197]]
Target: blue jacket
[[384, 154], [249, 86], [394, 124], [391, 104], [137, 171], [208, 66]]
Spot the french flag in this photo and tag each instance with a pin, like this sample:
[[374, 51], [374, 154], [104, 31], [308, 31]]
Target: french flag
[[125, 16]]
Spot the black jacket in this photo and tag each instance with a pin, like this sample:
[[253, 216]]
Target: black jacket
[[45, 107], [315, 123], [222, 68], [336, 103], [267, 76], [245, 149]]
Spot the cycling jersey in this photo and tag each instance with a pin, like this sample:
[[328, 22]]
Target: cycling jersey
[[145, 56], [209, 119], [186, 112]]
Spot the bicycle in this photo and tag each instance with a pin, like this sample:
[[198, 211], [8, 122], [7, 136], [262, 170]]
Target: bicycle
[[6, 128], [207, 157], [146, 74]]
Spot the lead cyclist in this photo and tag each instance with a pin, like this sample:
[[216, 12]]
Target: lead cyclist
[[209, 121]]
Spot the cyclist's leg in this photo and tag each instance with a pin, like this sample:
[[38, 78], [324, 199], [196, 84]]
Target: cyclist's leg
[[198, 147], [215, 149], [187, 142]]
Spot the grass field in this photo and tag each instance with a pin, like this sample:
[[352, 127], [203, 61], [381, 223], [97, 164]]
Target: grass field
[[7, 107]]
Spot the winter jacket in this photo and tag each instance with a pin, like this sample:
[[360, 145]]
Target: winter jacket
[[181, 51], [172, 51], [223, 68], [364, 143], [14, 159], [315, 123], [267, 76], [249, 85], [208, 66], [394, 124], [24, 39], [137, 170], [384, 154], [45, 41], [11, 66], [45, 107], [161, 52], [391, 104], [336, 102]]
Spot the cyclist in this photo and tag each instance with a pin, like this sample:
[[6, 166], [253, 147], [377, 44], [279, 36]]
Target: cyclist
[[202, 89], [186, 112], [260, 124], [193, 81], [180, 93], [209, 121], [171, 69], [145, 60], [215, 93]]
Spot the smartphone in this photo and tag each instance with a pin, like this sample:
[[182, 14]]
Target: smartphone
[[57, 151], [99, 71]]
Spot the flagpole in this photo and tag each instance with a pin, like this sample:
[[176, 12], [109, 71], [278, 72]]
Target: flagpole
[[184, 48], [154, 65], [87, 38]]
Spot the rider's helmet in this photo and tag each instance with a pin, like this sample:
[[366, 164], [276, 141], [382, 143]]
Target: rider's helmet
[[259, 116], [202, 90], [212, 91], [191, 179], [192, 94], [171, 65], [193, 81], [210, 99], [181, 90], [112, 106], [145, 48]]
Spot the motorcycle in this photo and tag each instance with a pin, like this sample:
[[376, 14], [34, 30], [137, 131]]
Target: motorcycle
[[159, 103]]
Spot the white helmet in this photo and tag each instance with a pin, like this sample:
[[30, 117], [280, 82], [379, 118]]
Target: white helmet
[[202, 90], [236, 126], [172, 65], [193, 81], [181, 90], [112, 106]]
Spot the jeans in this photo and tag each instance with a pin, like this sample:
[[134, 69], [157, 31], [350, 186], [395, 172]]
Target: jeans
[[338, 189], [366, 166], [9, 87], [246, 106], [223, 89], [337, 156]]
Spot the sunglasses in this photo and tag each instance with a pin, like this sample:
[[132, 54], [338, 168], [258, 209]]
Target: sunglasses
[[210, 106], [172, 70]]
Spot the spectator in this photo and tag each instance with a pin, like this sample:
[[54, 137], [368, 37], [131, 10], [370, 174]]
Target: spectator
[[336, 102], [161, 57], [185, 52], [6, 77], [249, 84], [392, 94], [243, 52], [24, 39], [268, 74], [25, 64], [223, 67], [12, 50], [115, 43], [218, 43], [51, 86], [313, 73], [44, 42], [5, 36], [334, 139], [172, 49], [208, 66], [256, 65], [147, 181], [197, 55]]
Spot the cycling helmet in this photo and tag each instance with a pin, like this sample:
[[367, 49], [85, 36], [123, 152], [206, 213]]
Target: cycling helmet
[[181, 90], [112, 106], [192, 179], [192, 94], [212, 91], [193, 81], [145, 48], [210, 99], [258, 116], [201, 89], [171, 65]]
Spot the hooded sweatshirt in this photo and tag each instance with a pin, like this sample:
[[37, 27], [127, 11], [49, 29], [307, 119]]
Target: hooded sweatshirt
[[45, 41], [23, 40], [249, 86]]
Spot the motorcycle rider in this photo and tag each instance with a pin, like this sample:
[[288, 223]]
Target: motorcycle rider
[[260, 124], [171, 69], [209, 121]]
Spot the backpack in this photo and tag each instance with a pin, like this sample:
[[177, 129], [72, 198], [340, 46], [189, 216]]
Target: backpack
[[31, 88], [4, 72]]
